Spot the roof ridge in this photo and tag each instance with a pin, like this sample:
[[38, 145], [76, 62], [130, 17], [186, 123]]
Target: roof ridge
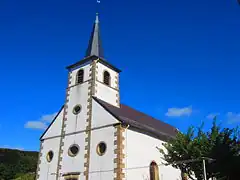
[[148, 115], [140, 120]]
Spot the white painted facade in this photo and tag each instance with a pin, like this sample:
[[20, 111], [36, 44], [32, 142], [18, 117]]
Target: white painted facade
[[101, 117], [102, 167], [107, 93], [140, 150], [73, 164], [75, 128], [94, 124], [56, 126], [47, 169]]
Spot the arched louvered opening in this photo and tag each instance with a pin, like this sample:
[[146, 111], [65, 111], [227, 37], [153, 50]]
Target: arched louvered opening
[[80, 76], [106, 78], [154, 172]]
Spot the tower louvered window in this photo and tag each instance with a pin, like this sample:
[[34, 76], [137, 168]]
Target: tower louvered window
[[106, 78], [80, 76]]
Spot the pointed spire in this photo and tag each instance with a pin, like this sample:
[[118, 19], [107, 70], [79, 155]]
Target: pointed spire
[[95, 44]]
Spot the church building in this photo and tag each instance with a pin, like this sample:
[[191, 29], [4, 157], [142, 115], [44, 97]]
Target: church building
[[94, 136]]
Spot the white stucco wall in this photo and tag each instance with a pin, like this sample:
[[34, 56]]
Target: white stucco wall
[[101, 68], [47, 169], [102, 167], [100, 117], [77, 95], [140, 150], [73, 164], [105, 92], [55, 128]]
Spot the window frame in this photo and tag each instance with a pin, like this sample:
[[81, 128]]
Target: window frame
[[154, 171], [49, 159], [109, 78], [98, 148], [70, 152], [74, 111], [78, 76]]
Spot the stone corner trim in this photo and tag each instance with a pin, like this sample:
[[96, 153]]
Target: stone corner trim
[[39, 160], [119, 153], [65, 111], [91, 91]]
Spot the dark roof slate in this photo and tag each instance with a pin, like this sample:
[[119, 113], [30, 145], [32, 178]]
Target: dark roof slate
[[90, 59], [139, 120]]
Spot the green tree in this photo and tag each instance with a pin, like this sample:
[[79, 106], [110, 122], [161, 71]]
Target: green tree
[[222, 145], [28, 176], [14, 163]]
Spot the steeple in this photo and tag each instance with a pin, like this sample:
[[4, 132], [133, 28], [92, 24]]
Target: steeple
[[95, 44]]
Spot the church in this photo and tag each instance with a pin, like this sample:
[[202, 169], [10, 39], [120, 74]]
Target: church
[[94, 136]]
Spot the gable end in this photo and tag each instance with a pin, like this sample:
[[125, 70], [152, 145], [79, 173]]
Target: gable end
[[51, 122]]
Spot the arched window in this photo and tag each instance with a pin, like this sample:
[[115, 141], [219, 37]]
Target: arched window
[[106, 78], [154, 173], [80, 76]]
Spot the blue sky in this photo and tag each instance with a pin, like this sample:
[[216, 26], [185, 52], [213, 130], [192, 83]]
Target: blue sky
[[180, 59]]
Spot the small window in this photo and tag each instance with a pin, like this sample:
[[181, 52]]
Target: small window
[[77, 109], [106, 78], [73, 150], [101, 148], [49, 156], [80, 76]]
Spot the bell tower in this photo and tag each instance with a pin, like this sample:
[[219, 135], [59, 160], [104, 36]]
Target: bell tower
[[68, 146], [104, 77], [91, 77]]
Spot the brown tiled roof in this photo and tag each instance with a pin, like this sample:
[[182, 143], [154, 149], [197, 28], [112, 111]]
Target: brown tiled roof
[[140, 121]]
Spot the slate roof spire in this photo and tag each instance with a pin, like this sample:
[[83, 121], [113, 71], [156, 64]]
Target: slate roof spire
[[95, 44]]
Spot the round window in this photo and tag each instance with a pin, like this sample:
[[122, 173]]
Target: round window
[[101, 148], [73, 150], [77, 109], [49, 156]]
